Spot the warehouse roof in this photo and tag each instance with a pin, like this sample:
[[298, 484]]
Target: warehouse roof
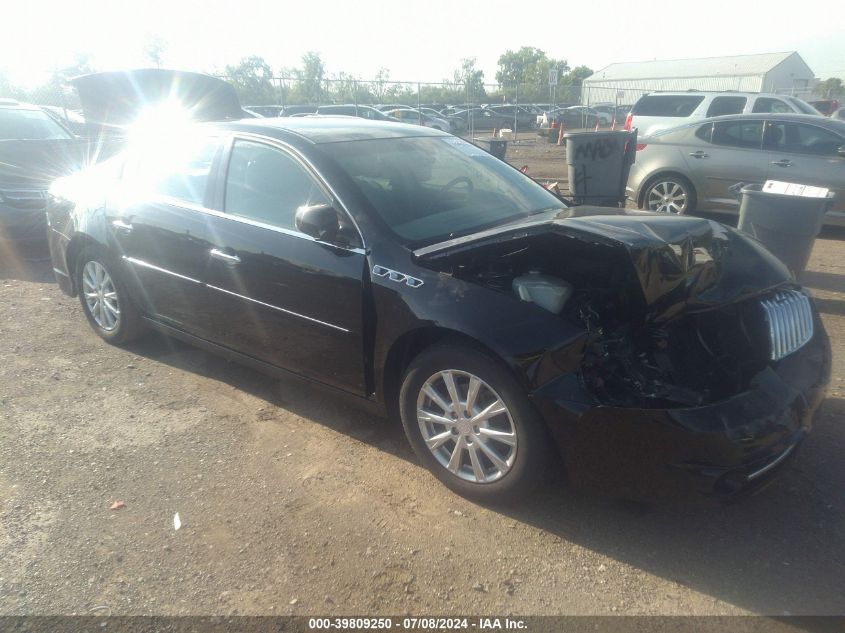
[[700, 67]]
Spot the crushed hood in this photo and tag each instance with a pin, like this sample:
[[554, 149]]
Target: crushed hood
[[680, 263], [116, 98]]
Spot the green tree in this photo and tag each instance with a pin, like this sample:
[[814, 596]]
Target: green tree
[[154, 50], [309, 78], [830, 88], [253, 81], [530, 68], [468, 80]]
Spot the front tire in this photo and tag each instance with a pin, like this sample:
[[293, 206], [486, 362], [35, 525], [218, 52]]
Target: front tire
[[670, 193], [472, 426], [105, 300]]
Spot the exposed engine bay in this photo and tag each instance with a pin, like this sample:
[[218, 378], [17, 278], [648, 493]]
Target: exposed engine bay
[[697, 355]]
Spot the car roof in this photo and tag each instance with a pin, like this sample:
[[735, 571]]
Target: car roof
[[11, 104], [821, 121], [328, 129]]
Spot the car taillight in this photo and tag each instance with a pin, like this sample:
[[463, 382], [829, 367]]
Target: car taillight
[[629, 120], [641, 146]]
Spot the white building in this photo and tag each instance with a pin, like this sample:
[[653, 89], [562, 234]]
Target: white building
[[625, 82]]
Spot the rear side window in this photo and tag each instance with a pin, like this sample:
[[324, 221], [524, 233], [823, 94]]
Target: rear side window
[[268, 185], [800, 138], [744, 134], [182, 173], [667, 105], [768, 104], [721, 106]]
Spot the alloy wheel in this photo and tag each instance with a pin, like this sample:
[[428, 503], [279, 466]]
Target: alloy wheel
[[100, 296], [668, 196], [466, 426]]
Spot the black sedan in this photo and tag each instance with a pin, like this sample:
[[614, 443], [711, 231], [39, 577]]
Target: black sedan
[[417, 272]]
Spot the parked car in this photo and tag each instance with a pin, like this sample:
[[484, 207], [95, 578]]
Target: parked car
[[663, 110], [70, 119], [362, 111], [483, 119], [826, 106], [572, 118], [35, 149], [693, 166], [266, 110], [417, 117], [416, 272], [295, 110], [604, 118], [456, 124], [839, 115], [518, 117], [619, 112]]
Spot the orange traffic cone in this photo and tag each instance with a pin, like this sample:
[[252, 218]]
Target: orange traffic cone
[[560, 133]]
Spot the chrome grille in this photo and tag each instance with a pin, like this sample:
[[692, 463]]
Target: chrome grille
[[790, 321]]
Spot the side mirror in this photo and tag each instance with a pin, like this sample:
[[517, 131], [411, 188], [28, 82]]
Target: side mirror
[[320, 221], [841, 151]]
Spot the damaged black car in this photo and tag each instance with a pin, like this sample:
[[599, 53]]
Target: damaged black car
[[508, 331]]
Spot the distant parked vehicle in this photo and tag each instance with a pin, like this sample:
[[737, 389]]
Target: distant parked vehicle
[[826, 106], [839, 115], [71, 119], [417, 117], [663, 110], [361, 111], [483, 119], [680, 170], [251, 114], [524, 119], [619, 112], [572, 118], [294, 110], [603, 117], [266, 110]]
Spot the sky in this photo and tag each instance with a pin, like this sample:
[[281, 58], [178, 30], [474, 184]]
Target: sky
[[420, 41]]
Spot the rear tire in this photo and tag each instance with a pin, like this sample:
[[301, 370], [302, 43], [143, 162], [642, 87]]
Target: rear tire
[[105, 299], [479, 435], [669, 193]]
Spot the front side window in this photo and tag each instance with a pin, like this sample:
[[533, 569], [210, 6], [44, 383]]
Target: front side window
[[743, 134], [799, 138], [428, 189], [31, 125], [267, 185]]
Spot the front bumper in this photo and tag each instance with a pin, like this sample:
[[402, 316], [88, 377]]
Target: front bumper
[[718, 450]]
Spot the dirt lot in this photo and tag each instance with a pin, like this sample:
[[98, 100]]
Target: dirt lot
[[294, 501]]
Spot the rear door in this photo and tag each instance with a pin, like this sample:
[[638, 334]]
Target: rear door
[[160, 231], [733, 153], [807, 154], [277, 294]]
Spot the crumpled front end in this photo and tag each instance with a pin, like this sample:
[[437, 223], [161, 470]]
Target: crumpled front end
[[701, 362]]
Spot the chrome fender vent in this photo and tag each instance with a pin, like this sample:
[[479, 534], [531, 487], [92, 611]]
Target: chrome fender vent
[[790, 321]]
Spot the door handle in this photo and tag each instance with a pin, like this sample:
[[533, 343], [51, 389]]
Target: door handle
[[783, 163], [229, 258], [700, 154], [122, 225]]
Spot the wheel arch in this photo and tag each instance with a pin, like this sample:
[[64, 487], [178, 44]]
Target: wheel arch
[[77, 245], [409, 345]]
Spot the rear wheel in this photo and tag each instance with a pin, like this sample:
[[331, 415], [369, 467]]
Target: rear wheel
[[472, 425], [105, 300], [670, 194]]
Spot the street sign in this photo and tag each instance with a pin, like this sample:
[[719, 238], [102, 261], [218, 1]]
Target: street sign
[[553, 76]]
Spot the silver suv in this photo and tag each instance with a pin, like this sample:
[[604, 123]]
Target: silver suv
[[664, 110]]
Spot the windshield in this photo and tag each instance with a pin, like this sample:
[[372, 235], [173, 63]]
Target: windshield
[[31, 125], [431, 189]]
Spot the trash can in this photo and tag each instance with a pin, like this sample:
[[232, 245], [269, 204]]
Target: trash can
[[786, 223], [599, 164], [495, 146]]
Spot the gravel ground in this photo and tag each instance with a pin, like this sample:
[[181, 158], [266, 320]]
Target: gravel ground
[[292, 500]]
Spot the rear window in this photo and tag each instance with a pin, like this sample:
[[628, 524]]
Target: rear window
[[33, 125], [667, 105]]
